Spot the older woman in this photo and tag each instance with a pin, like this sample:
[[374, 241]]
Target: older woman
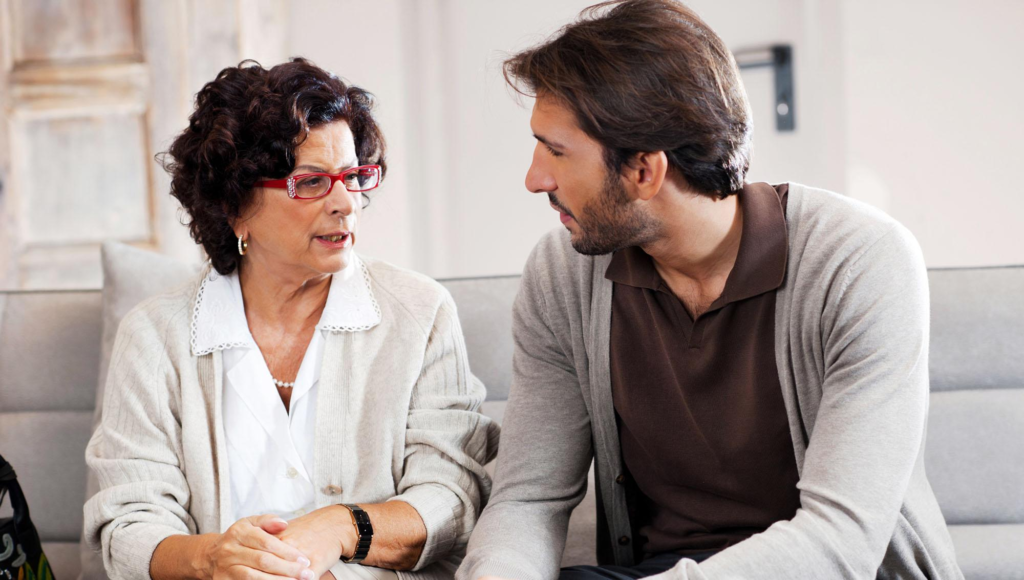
[[298, 411]]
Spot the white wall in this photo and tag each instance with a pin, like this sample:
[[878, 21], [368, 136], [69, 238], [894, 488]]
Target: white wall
[[906, 105], [935, 122]]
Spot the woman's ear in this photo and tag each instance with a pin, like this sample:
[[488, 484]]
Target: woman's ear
[[232, 222]]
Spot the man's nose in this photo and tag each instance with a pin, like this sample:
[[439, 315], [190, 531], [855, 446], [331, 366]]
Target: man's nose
[[538, 178]]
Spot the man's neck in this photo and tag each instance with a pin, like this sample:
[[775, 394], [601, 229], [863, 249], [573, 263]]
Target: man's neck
[[698, 247]]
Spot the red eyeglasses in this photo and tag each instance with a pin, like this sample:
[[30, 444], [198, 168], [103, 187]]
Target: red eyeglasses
[[317, 185]]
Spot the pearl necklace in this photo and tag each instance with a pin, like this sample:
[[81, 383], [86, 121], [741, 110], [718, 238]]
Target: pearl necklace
[[282, 384]]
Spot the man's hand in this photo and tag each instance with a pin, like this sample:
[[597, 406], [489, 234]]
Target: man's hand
[[323, 535]]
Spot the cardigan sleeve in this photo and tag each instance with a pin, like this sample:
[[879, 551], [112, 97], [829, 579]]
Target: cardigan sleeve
[[867, 434], [448, 442], [546, 447], [136, 454]]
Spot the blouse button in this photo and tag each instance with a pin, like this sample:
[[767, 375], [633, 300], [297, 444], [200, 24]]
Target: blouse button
[[332, 490], [292, 473]]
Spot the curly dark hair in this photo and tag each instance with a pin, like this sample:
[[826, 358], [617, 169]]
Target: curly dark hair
[[648, 75], [246, 126]]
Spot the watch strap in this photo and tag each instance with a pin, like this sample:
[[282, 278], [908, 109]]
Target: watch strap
[[364, 530]]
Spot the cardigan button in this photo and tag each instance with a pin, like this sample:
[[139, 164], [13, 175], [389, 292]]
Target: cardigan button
[[332, 490], [620, 479], [624, 541]]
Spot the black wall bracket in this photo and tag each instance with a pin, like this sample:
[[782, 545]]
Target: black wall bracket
[[780, 58]]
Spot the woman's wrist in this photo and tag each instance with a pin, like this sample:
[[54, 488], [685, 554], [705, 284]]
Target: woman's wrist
[[347, 536], [202, 556], [183, 557]]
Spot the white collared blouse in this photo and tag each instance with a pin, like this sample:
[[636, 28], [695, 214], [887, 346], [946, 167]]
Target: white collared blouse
[[270, 448]]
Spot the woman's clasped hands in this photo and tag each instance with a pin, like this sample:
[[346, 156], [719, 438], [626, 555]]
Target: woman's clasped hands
[[267, 547]]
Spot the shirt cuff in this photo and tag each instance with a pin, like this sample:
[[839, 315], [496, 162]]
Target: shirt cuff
[[439, 508]]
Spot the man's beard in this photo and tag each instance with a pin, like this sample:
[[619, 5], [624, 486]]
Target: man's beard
[[611, 222]]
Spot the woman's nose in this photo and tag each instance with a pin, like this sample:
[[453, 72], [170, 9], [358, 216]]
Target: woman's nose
[[341, 200]]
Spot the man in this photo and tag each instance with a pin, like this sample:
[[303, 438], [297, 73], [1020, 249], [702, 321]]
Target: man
[[746, 364]]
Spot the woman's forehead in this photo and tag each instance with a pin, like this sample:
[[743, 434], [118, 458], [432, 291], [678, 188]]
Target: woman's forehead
[[327, 146]]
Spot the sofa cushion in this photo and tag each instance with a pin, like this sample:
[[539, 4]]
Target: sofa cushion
[[974, 456], [485, 313], [64, 559], [61, 328], [977, 328], [46, 450], [991, 552], [131, 275]]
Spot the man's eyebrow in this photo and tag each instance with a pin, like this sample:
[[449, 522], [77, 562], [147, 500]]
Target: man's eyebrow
[[548, 142]]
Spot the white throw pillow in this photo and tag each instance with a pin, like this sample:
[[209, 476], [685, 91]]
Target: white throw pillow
[[130, 275]]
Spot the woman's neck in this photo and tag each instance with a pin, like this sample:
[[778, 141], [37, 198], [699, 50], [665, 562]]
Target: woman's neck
[[282, 299]]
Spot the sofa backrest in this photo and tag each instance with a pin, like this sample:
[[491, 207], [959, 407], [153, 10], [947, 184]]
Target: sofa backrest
[[50, 348], [49, 359], [974, 453]]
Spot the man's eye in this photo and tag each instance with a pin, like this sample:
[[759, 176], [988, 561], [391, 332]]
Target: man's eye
[[553, 152]]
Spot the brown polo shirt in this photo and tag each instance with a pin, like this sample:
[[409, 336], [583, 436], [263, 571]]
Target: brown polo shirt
[[702, 422]]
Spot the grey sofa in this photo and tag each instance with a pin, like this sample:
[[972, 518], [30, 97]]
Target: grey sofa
[[50, 352]]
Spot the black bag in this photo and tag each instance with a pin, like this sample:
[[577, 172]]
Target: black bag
[[21, 553]]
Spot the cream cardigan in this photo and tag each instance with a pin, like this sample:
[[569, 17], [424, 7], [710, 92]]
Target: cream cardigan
[[397, 419]]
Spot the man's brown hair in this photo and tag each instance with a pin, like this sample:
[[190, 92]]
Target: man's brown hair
[[647, 75]]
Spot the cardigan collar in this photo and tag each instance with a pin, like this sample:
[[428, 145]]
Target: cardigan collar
[[218, 318]]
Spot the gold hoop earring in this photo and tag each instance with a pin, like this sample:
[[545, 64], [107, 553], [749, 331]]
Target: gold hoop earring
[[242, 246]]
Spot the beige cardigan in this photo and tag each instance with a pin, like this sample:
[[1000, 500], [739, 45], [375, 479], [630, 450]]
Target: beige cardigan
[[397, 419]]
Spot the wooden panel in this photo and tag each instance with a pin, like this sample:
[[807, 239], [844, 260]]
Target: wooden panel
[[49, 30], [164, 28], [89, 90], [73, 90], [213, 40], [83, 179], [8, 229]]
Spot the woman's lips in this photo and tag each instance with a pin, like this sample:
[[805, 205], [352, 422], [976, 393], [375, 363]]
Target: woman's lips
[[336, 242]]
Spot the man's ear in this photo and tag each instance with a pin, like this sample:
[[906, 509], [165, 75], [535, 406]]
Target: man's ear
[[645, 173]]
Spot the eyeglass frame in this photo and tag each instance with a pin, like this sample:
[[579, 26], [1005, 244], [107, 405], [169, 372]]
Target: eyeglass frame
[[288, 183]]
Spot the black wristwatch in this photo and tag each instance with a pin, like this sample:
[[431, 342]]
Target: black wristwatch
[[361, 520]]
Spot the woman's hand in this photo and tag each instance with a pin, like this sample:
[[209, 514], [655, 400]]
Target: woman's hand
[[249, 550], [323, 534]]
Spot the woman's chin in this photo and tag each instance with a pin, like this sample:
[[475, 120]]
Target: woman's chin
[[336, 261]]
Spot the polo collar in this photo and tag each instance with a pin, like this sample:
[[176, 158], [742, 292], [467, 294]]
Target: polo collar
[[760, 262]]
